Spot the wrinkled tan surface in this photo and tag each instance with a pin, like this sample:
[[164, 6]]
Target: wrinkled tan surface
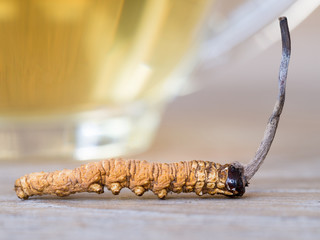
[[139, 176]]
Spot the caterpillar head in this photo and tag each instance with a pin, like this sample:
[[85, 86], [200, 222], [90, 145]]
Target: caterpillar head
[[236, 180]]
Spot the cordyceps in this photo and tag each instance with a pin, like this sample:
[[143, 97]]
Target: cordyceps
[[196, 176]]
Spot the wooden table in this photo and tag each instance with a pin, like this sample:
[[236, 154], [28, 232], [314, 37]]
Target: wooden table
[[222, 123], [278, 204]]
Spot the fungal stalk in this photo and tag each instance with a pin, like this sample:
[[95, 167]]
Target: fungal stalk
[[201, 177], [272, 125]]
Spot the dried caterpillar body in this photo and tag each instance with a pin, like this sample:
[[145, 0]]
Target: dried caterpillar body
[[200, 177]]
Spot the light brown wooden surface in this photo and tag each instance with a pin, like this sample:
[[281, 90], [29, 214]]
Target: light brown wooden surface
[[282, 203], [222, 123]]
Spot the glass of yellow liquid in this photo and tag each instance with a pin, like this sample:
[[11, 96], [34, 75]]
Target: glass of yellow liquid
[[89, 79]]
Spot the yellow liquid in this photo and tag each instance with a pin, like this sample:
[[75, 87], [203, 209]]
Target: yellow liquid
[[76, 55]]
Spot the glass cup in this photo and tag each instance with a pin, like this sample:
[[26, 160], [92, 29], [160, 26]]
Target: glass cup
[[89, 79]]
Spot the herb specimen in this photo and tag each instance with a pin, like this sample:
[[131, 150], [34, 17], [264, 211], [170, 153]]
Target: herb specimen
[[201, 177]]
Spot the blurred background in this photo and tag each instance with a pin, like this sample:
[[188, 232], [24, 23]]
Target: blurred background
[[225, 121], [103, 72]]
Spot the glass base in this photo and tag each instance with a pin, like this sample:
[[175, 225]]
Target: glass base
[[97, 134]]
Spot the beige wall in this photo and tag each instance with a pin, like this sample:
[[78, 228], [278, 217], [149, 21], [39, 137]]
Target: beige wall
[[226, 120]]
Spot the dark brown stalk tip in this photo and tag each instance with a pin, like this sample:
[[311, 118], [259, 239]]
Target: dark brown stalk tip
[[285, 35]]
